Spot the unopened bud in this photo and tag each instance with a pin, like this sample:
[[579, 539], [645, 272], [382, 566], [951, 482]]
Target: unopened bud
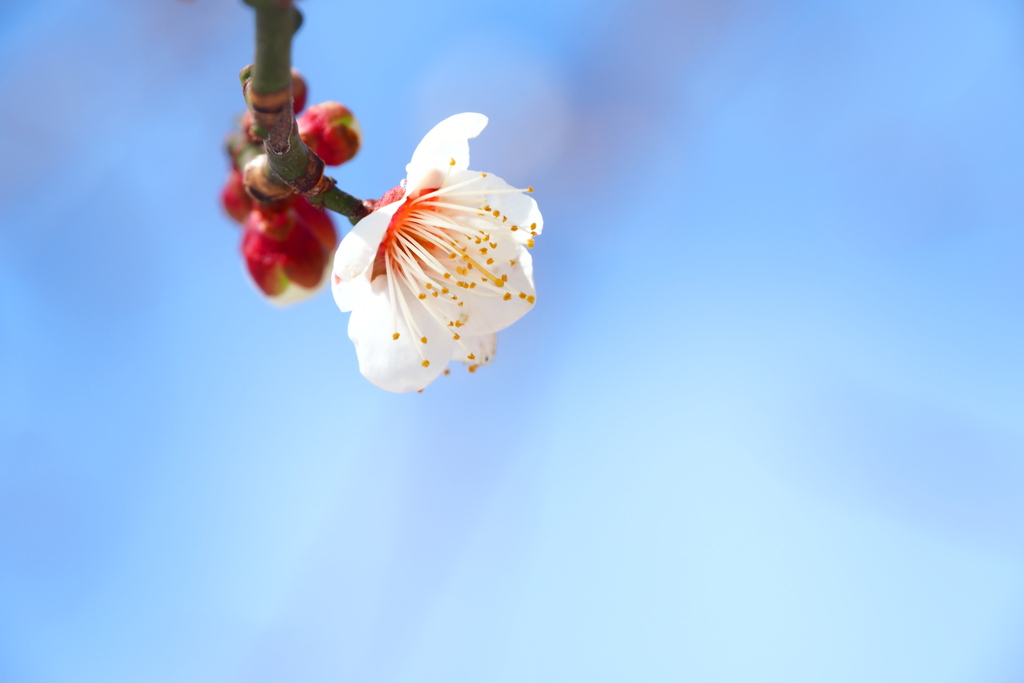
[[233, 197], [318, 221], [287, 248], [299, 91], [330, 130]]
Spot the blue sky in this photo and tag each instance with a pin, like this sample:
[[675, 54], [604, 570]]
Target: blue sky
[[764, 423]]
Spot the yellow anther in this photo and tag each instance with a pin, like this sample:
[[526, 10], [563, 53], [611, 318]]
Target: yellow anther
[[451, 323], [529, 244], [487, 208], [456, 337], [472, 285], [423, 296], [504, 218], [490, 261], [483, 250], [471, 357], [514, 228], [495, 213], [425, 363], [452, 163], [461, 302], [428, 285], [423, 339], [508, 295], [494, 245], [434, 293], [533, 226], [504, 278], [483, 175], [447, 275], [444, 290], [446, 371], [395, 335], [472, 368], [529, 189], [522, 295], [512, 261], [458, 323], [531, 298]]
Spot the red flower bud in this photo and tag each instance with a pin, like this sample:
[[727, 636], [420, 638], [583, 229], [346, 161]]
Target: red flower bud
[[299, 91], [287, 247], [263, 256], [234, 197], [330, 130], [319, 222]]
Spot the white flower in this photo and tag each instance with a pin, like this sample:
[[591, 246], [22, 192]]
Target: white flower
[[432, 277]]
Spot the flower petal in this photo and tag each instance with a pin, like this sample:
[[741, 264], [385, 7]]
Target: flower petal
[[482, 347], [446, 142], [515, 207], [355, 256], [396, 364], [485, 308]]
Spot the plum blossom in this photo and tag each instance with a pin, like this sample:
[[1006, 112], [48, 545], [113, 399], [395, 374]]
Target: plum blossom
[[440, 267]]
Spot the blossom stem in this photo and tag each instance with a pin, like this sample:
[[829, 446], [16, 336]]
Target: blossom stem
[[291, 165]]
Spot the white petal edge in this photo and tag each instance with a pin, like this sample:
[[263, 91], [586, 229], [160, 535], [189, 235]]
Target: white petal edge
[[355, 255], [482, 347], [518, 207], [446, 142], [395, 364]]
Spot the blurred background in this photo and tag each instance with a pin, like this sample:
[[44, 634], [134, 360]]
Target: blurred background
[[765, 423]]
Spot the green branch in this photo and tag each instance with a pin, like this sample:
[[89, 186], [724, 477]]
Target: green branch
[[289, 161]]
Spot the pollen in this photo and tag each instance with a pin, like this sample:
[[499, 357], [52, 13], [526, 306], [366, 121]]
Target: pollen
[[425, 363], [423, 339], [395, 336], [508, 295]]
